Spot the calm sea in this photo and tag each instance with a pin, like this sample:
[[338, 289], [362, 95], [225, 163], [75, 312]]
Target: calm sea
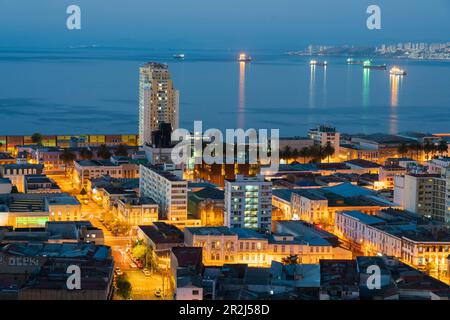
[[95, 90]]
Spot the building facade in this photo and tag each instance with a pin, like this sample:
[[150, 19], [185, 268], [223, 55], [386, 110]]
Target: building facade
[[158, 100], [248, 203]]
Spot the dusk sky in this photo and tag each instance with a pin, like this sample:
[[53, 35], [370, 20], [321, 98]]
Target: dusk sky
[[230, 24]]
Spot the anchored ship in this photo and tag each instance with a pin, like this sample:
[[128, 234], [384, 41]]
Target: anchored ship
[[396, 71], [318, 63], [244, 58]]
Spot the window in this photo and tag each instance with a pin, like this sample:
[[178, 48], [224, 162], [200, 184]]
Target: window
[[195, 292]]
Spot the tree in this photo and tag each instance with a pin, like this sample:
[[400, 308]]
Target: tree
[[86, 154], [442, 147], [304, 153], [291, 259], [328, 151], [139, 252], [37, 138], [67, 157], [295, 154], [121, 150], [103, 152], [317, 154], [286, 153], [402, 149], [416, 148], [123, 287], [428, 148]]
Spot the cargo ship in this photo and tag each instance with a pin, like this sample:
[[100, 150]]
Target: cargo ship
[[244, 58], [318, 63], [368, 65], [396, 71]]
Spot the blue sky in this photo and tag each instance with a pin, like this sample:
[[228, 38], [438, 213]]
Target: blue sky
[[230, 24]]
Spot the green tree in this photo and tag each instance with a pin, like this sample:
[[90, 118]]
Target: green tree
[[442, 147], [139, 252], [295, 154], [121, 150], [304, 153], [103, 152], [86, 154], [291, 259], [328, 150], [123, 287], [37, 138], [67, 157], [402, 149], [428, 148], [286, 153]]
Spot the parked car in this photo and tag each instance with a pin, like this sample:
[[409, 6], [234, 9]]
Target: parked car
[[146, 272], [118, 271]]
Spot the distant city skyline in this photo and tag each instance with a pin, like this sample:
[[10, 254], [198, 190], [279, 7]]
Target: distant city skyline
[[233, 24]]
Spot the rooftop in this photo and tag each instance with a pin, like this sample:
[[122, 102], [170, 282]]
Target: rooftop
[[364, 218], [363, 163], [161, 232]]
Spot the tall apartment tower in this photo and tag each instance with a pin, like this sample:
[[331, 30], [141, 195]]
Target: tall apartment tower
[[158, 100], [248, 203], [323, 134]]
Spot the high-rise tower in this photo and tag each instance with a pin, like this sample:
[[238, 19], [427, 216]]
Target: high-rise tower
[[158, 100]]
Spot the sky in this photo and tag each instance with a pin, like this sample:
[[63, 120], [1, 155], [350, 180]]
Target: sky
[[221, 24]]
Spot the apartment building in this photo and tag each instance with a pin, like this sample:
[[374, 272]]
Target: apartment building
[[222, 245], [165, 185], [323, 134], [158, 100], [248, 203], [425, 246]]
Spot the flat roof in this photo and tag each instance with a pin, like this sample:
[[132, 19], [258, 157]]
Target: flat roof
[[95, 163], [363, 163], [364, 218]]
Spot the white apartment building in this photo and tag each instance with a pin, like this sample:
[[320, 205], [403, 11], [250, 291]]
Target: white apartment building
[[420, 246], [158, 100], [310, 206], [248, 203], [323, 134], [165, 185], [421, 193], [223, 245]]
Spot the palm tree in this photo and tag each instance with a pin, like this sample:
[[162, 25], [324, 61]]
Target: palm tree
[[86, 154], [286, 153], [328, 151], [428, 148], [304, 153], [67, 157], [37, 138], [103, 152], [317, 154], [295, 154], [417, 148], [402, 149], [121, 150], [442, 147]]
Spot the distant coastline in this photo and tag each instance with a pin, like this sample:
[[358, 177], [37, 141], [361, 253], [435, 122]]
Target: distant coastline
[[405, 51]]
